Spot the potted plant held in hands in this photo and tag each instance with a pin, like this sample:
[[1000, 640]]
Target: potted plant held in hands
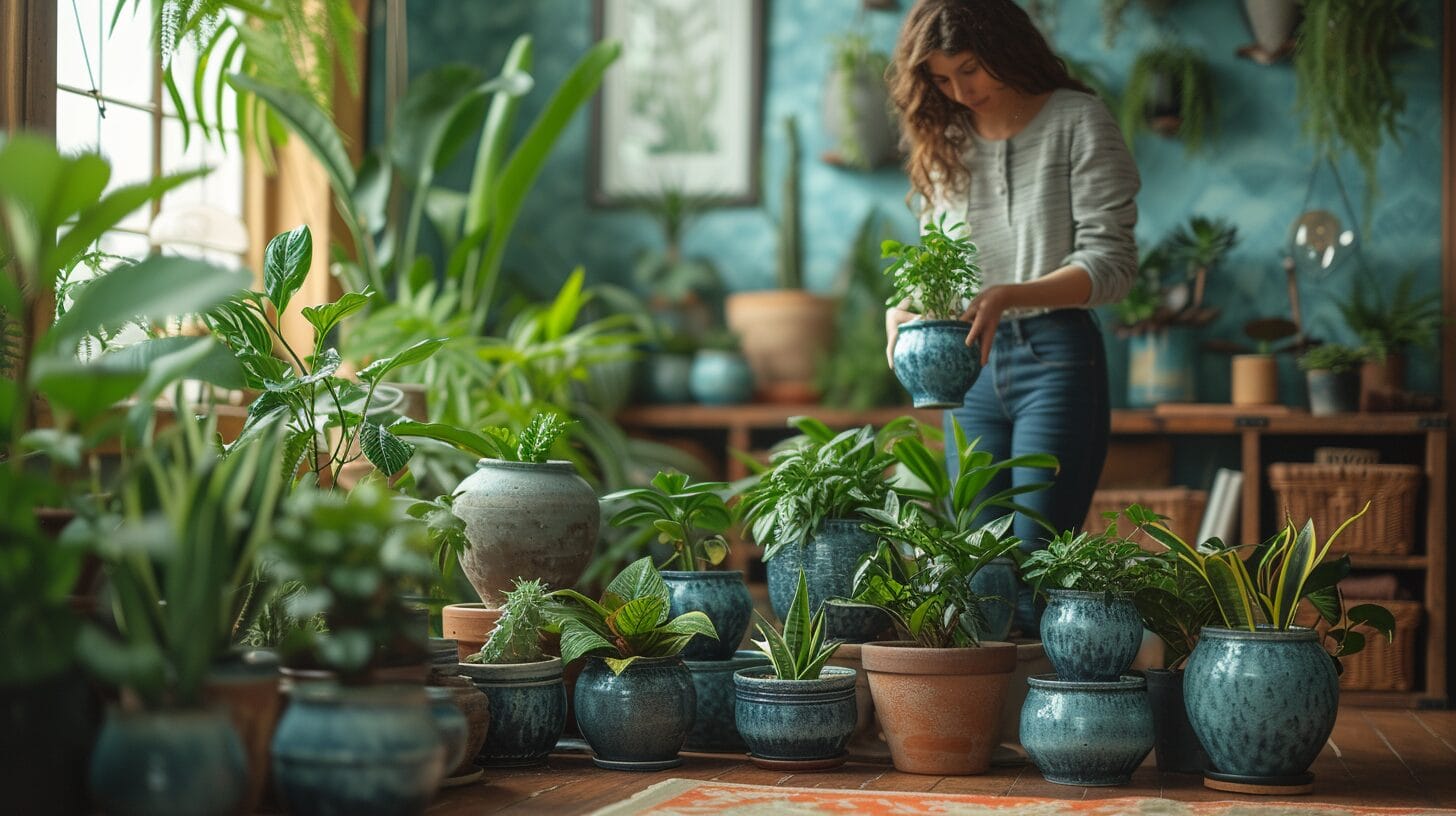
[[634, 699], [931, 358], [797, 714]]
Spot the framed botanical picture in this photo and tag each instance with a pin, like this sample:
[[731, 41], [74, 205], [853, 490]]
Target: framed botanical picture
[[681, 108]]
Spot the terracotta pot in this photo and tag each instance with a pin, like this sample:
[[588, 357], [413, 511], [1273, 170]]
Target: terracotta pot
[[785, 333], [940, 708], [1255, 380], [1379, 378], [250, 696], [469, 625]]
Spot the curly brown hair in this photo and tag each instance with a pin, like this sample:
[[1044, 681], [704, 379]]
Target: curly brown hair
[[1009, 48]]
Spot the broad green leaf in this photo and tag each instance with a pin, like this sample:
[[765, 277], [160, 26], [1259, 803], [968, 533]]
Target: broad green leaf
[[106, 213], [467, 441], [285, 264], [324, 318], [83, 390], [799, 621], [639, 580], [1375, 616], [499, 127], [691, 623], [310, 123], [419, 352], [638, 616], [383, 449], [619, 664], [1233, 590], [577, 641], [601, 612]]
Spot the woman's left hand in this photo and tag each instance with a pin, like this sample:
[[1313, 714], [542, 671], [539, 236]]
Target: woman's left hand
[[984, 315]]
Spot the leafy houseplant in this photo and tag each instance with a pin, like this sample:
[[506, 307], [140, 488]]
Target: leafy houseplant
[[800, 652], [1199, 245], [930, 355], [1332, 357], [1170, 92], [684, 291], [1388, 328], [1332, 372], [1255, 377], [857, 105]]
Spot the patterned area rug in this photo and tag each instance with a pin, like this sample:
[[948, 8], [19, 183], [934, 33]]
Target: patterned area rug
[[692, 797]]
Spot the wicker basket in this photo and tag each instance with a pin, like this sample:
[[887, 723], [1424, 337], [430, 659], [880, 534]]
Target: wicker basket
[[1329, 494], [1183, 506], [1380, 666]]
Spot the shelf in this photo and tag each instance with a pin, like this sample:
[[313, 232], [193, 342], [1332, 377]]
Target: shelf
[[1391, 699], [1400, 562]]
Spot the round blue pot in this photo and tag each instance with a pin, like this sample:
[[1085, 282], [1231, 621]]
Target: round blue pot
[[796, 720], [1088, 636], [1160, 367], [829, 560], [1092, 734], [187, 762], [719, 594], [527, 710], [636, 720], [1333, 393], [720, 377], [365, 751], [1174, 742], [997, 586], [450, 722], [1262, 703], [933, 362], [715, 728], [667, 377]]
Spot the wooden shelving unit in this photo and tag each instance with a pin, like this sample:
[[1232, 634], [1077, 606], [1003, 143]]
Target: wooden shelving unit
[[743, 427]]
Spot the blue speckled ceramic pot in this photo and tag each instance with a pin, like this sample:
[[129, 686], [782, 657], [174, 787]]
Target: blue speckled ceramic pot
[[527, 710], [1262, 703], [829, 560], [667, 377], [1177, 747], [1093, 734], [715, 727], [186, 762], [719, 594], [933, 362], [1089, 638], [636, 720], [997, 580], [450, 722], [720, 377], [796, 720], [369, 750]]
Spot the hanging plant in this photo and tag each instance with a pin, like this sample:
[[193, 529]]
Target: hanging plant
[[1170, 92]]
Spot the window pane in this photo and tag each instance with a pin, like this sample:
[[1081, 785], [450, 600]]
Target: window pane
[[126, 53], [70, 56], [77, 124], [126, 141]]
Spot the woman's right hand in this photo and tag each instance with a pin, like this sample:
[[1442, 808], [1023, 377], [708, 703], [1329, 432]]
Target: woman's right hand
[[894, 317]]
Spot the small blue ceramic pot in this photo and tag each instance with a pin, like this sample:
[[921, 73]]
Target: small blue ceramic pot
[[1333, 393], [1262, 703], [933, 362], [368, 750], [720, 377], [997, 586], [158, 763], [829, 560], [527, 710], [667, 377], [636, 720], [715, 728], [796, 720], [1161, 366], [719, 594], [1089, 637], [450, 722], [1092, 734]]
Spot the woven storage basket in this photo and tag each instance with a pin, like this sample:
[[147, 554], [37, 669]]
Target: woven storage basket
[[1380, 666], [1183, 506], [1329, 494]]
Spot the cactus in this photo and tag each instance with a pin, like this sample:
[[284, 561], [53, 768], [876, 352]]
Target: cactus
[[791, 247], [516, 637]]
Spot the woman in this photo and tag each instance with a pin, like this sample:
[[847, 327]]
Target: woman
[[1003, 139]]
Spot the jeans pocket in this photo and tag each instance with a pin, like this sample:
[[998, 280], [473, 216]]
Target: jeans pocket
[[1063, 350]]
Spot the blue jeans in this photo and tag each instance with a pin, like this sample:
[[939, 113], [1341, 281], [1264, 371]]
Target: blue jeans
[[1044, 391]]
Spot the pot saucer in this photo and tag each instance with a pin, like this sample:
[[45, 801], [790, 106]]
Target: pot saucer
[[627, 765], [820, 764], [1259, 785]]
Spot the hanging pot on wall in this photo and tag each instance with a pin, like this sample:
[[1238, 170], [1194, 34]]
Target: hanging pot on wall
[[857, 120], [1164, 107], [1272, 23]]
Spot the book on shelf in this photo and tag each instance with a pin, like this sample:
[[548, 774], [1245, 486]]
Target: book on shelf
[[1221, 514]]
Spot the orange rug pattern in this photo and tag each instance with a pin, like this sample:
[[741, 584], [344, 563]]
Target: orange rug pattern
[[695, 797]]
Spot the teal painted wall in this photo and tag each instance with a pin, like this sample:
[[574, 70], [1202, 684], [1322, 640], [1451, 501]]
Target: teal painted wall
[[1254, 171]]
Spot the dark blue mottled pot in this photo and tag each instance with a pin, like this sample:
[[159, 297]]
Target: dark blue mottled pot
[[1333, 393], [796, 720], [715, 728], [720, 377], [450, 722], [636, 720], [1093, 734], [1177, 747], [369, 750], [997, 585], [934, 363], [527, 710], [1089, 637], [1262, 703], [719, 594], [829, 560], [158, 763]]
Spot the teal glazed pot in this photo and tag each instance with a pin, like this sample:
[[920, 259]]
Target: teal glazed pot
[[1262, 703], [997, 580], [1089, 638], [723, 597], [720, 377], [1174, 742], [934, 364], [667, 377], [1161, 367], [796, 720], [450, 722], [829, 560], [364, 751], [715, 728], [159, 763], [1092, 734], [527, 710], [636, 720]]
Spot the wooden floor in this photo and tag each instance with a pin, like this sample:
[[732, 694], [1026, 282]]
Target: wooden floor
[[1376, 757]]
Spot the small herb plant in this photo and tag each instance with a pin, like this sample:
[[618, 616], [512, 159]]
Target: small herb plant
[[1091, 562], [629, 622], [689, 516], [801, 651], [939, 273], [824, 475], [516, 637], [1332, 357]]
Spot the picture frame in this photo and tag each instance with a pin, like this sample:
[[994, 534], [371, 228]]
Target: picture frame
[[681, 110]]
